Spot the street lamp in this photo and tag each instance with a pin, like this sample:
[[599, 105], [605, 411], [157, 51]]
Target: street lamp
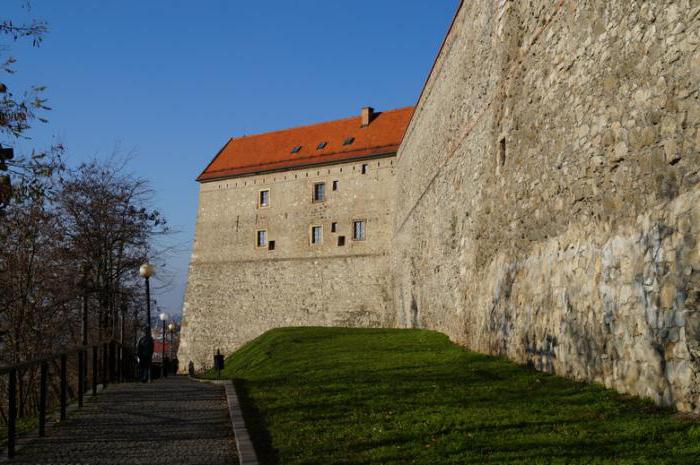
[[163, 317], [122, 365], [146, 271], [171, 329]]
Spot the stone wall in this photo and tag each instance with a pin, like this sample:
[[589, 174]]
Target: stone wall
[[236, 291], [548, 199]]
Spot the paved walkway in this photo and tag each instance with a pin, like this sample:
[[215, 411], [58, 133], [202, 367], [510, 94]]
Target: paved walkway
[[173, 421]]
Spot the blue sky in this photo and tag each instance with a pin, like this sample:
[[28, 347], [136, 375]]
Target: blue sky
[[171, 81]]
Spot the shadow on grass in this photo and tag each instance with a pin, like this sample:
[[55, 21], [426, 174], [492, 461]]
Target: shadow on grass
[[257, 425], [362, 401]]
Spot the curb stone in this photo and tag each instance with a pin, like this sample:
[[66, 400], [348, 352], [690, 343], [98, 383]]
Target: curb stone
[[246, 451]]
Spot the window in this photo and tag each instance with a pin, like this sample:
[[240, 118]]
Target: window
[[349, 141], [358, 230], [271, 245], [335, 185], [341, 241], [320, 192], [334, 227], [502, 152], [316, 232], [364, 169], [322, 146], [261, 239], [296, 149], [264, 198]]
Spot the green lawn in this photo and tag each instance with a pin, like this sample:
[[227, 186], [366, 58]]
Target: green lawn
[[353, 396]]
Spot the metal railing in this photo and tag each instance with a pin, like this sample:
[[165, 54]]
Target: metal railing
[[115, 364]]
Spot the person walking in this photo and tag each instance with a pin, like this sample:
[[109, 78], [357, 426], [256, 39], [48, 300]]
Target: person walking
[[145, 352]]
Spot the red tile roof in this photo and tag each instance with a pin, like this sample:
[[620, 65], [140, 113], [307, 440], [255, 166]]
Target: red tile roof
[[158, 347], [272, 151]]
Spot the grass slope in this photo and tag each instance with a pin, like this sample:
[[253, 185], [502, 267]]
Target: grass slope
[[359, 396]]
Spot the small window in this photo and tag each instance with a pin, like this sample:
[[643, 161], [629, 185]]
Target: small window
[[335, 185], [261, 239], [502, 152], [358, 230], [296, 149], [320, 192], [334, 227], [271, 245], [349, 141], [341, 241], [316, 234], [322, 146], [264, 198], [364, 168]]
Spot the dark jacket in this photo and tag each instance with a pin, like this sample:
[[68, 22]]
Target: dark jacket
[[145, 347]]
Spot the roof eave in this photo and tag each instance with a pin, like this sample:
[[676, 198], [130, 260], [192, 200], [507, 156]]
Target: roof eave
[[203, 178]]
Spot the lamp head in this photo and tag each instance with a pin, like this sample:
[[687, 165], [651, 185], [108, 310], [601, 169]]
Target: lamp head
[[171, 326], [147, 270], [164, 316]]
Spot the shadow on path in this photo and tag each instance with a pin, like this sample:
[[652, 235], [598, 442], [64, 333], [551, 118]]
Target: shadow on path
[[173, 421]]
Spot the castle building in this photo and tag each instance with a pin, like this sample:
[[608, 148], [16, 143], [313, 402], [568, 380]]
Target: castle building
[[293, 228], [544, 204]]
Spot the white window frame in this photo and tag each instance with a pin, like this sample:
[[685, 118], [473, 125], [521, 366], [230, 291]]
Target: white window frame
[[364, 230], [258, 245], [260, 195], [320, 235], [313, 192]]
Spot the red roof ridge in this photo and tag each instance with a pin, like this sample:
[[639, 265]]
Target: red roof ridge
[[272, 151], [321, 123]]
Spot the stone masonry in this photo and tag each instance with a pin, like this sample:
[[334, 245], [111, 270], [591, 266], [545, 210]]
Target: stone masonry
[[548, 192], [545, 206], [237, 291]]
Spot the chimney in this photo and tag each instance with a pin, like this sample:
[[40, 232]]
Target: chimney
[[367, 116]]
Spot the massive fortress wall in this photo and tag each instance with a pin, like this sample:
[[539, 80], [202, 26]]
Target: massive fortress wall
[[236, 291], [548, 199]]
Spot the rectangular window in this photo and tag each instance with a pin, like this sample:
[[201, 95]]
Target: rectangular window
[[335, 185], [364, 169], [264, 199], [358, 230], [261, 239], [502, 152], [320, 192], [341, 241], [316, 232], [334, 227], [271, 245]]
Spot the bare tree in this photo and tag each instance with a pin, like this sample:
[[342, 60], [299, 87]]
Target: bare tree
[[110, 230], [18, 110], [67, 236]]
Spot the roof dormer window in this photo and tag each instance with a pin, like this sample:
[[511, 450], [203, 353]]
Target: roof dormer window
[[296, 149], [322, 146], [349, 141]]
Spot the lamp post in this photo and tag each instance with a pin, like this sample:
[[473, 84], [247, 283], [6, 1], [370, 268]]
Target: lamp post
[[146, 271], [163, 317], [171, 328], [122, 365]]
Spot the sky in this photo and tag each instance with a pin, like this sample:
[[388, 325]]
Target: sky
[[168, 82]]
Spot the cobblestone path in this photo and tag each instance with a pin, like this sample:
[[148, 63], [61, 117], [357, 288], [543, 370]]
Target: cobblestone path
[[173, 421]]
